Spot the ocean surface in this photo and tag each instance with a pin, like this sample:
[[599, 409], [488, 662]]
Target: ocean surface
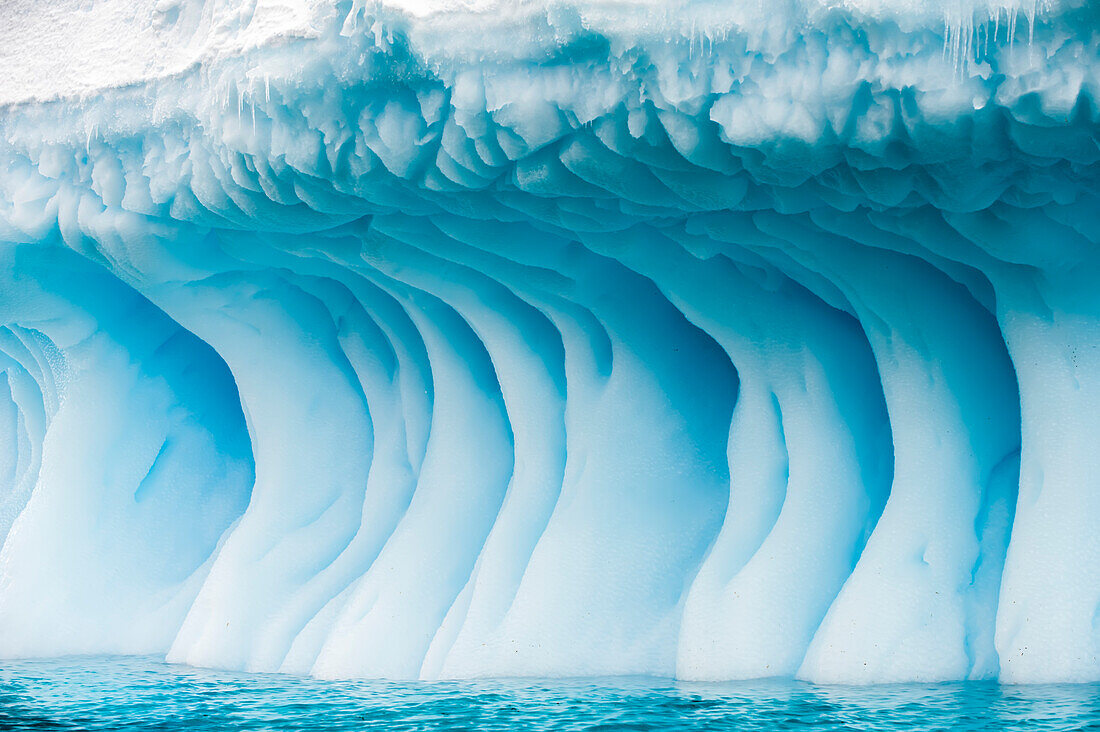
[[147, 694]]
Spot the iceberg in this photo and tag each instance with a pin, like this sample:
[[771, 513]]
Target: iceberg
[[459, 338]]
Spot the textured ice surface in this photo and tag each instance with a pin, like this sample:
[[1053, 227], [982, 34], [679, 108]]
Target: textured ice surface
[[445, 339]]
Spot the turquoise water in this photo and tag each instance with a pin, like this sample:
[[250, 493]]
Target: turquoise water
[[145, 694]]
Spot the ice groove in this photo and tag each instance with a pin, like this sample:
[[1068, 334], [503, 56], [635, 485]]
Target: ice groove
[[379, 340]]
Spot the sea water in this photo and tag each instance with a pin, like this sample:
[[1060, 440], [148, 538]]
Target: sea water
[[113, 693]]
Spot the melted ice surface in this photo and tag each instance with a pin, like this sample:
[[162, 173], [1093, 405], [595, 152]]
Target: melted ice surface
[[708, 340]]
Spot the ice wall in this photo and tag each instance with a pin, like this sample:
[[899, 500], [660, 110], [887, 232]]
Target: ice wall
[[716, 340]]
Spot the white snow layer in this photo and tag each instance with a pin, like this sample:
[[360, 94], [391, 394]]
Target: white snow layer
[[716, 340]]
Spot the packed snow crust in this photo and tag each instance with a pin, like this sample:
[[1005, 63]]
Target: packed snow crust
[[443, 339]]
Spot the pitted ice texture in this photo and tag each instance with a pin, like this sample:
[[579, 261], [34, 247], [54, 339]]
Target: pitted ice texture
[[714, 340]]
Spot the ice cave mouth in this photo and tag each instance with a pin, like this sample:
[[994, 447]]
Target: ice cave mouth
[[448, 340]]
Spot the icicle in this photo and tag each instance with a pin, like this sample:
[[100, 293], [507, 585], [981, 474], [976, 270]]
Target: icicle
[[1011, 28], [1031, 23], [351, 21]]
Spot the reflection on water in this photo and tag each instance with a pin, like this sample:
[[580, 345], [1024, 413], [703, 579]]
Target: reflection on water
[[142, 693]]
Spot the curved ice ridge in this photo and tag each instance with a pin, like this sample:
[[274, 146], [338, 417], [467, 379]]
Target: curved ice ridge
[[720, 342]]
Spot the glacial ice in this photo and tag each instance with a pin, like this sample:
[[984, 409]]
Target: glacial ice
[[406, 339]]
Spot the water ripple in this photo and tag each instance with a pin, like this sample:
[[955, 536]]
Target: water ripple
[[146, 694]]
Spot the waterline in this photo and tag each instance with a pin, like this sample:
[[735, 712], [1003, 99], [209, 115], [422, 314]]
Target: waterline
[[111, 693]]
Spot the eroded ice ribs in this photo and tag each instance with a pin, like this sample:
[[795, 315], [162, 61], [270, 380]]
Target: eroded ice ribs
[[709, 340]]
